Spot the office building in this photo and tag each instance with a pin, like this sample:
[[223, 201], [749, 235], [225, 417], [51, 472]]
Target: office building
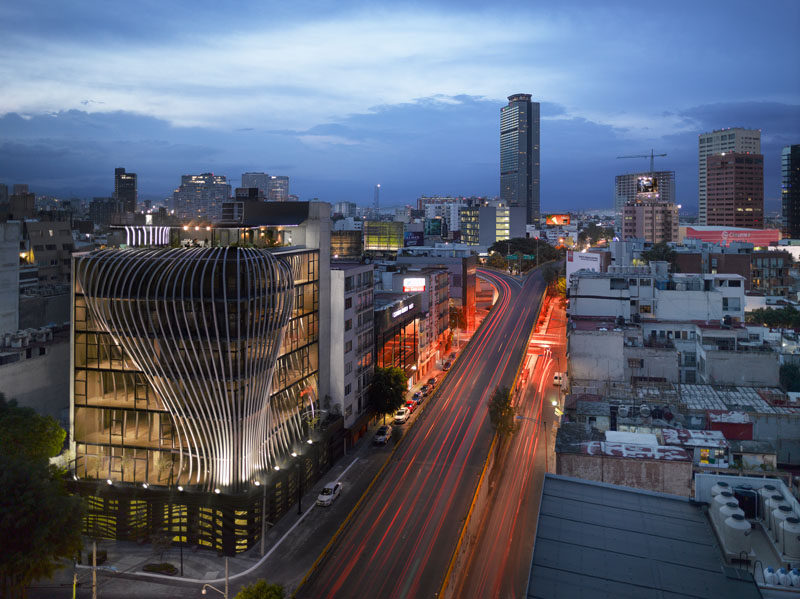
[[658, 186], [717, 142], [103, 210], [125, 189], [735, 190], [345, 209], [485, 225], [257, 180], [519, 155], [653, 221], [200, 197], [278, 189], [383, 236], [790, 190]]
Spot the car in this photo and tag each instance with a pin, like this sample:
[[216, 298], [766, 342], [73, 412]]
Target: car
[[401, 415], [452, 356], [329, 494], [447, 366], [432, 381], [418, 397], [382, 435], [558, 378], [411, 405], [424, 389]]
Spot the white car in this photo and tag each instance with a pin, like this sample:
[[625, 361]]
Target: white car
[[401, 415], [329, 494], [558, 378]]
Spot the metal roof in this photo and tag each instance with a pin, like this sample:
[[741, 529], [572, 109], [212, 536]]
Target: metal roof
[[606, 541]]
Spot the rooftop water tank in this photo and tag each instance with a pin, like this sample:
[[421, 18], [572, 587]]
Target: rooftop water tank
[[765, 493], [729, 509], [783, 577], [644, 410], [769, 505], [734, 532], [794, 576], [722, 499], [778, 515], [718, 487], [790, 546], [623, 411]]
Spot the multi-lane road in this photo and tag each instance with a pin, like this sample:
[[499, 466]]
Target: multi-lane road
[[500, 555], [401, 539]]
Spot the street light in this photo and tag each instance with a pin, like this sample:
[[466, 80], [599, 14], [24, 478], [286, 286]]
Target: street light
[[224, 593]]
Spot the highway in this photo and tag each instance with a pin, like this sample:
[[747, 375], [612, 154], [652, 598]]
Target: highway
[[499, 562], [400, 540]]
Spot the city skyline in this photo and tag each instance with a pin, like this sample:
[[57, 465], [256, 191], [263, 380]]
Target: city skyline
[[419, 118]]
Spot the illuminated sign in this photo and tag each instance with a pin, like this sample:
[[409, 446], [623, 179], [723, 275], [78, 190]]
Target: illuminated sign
[[413, 284], [581, 261], [725, 236], [557, 220], [646, 185], [402, 310]]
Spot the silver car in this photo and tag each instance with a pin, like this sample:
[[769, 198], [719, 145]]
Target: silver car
[[329, 494]]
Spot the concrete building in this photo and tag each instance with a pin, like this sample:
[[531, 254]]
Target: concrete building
[[383, 236], [258, 180], [345, 209], [658, 185], [21, 203], [735, 190], [200, 197], [771, 273], [717, 142], [125, 189], [10, 258], [102, 211], [653, 221], [51, 247], [519, 156], [278, 188], [352, 347], [482, 226], [790, 190]]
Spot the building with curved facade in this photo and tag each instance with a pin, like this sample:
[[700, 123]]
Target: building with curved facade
[[195, 378]]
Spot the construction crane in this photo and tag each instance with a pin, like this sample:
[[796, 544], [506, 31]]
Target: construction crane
[[651, 156]]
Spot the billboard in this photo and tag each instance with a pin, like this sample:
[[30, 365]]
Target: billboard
[[581, 261], [413, 239], [557, 220], [413, 284], [726, 235], [646, 185]]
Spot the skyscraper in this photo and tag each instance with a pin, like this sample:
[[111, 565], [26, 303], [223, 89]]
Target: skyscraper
[[717, 142], [257, 180], [658, 186], [735, 190], [519, 155], [790, 190], [201, 196], [278, 188], [125, 189]]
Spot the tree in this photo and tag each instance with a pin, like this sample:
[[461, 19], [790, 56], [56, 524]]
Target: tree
[[593, 233], [526, 246], [501, 412], [790, 377], [261, 589], [25, 433], [660, 252], [39, 523], [550, 275], [387, 392]]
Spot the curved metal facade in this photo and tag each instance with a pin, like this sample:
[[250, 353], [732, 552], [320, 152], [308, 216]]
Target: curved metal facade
[[205, 327]]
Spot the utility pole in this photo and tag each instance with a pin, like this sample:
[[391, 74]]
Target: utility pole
[[94, 569]]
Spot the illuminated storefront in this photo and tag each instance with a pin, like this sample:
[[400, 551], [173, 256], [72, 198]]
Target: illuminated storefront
[[397, 331]]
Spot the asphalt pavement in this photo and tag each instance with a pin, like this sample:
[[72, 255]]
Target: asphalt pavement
[[400, 540]]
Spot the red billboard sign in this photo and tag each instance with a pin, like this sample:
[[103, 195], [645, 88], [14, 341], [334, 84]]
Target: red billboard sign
[[557, 220], [724, 236]]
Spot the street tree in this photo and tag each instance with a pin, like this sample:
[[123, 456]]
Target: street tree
[[25, 433], [261, 589], [39, 523], [387, 392], [501, 412]]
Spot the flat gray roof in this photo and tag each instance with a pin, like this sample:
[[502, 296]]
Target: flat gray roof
[[607, 541]]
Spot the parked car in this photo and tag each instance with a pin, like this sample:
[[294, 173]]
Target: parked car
[[329, 494], [424, 389], [432, 381], [558, 378], [452, 356], [418, 397], [411, 405], [401, 415], [447, 366], [382, 435]]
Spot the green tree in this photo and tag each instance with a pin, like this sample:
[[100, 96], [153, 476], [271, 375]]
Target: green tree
[[527, 246], [501, 412], [593, 233], [25, 433], [660, 252], [39, 523], [387, 392], [496, 260], [790, 377], [261, 589]]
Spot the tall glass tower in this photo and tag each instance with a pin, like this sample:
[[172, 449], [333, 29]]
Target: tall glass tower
[[519, 155], [790, 190]]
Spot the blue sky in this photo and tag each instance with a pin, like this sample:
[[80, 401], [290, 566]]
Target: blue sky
[[343, 96]]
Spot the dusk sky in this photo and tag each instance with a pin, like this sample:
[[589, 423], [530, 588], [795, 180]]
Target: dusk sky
[[344, 95]]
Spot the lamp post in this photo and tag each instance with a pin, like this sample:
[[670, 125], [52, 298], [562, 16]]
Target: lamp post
[[299, 484], [224, 593]]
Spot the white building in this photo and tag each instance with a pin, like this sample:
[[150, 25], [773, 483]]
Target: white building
[[352, 343], [717, 142]]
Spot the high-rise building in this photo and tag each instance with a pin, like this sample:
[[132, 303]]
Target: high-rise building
[[717, 142], [485, 225], [3, 193], [658, 186], [200, 197], [278, 189], [125, 189], [653, 221], [257, 180], [735, 190], [519, 155], [790, 190]]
